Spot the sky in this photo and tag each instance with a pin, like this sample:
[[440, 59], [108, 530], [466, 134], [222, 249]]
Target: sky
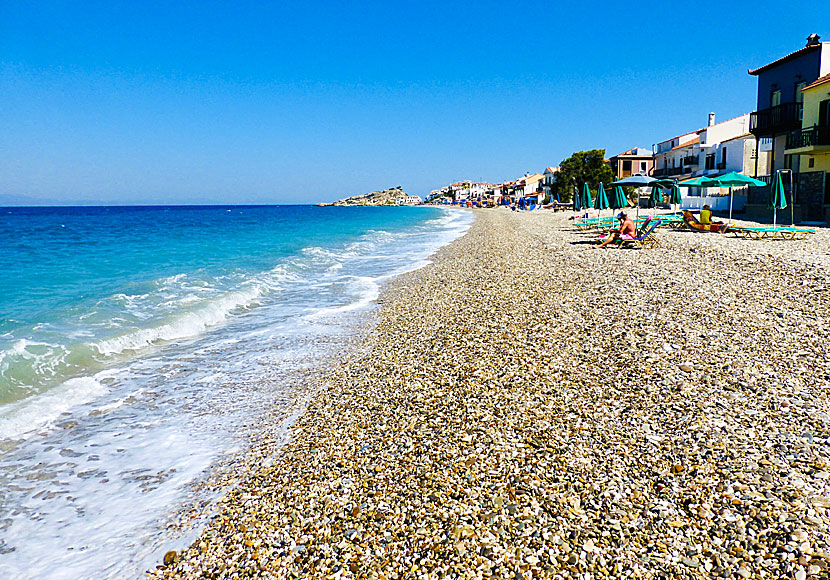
[[302, 102]]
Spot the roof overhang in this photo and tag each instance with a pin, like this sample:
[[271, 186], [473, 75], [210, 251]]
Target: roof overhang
[[792, 56]]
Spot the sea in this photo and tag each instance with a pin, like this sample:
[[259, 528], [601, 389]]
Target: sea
[[143, 348]]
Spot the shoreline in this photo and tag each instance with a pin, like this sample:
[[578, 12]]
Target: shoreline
[[523, 408]]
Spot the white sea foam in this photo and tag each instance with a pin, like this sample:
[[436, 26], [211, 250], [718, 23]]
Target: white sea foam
[[36, 412], [181, 326]]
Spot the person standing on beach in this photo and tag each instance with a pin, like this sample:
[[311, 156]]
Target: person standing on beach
[[626, 231]]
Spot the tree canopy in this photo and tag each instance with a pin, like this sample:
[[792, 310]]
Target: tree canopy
[[580, 168]]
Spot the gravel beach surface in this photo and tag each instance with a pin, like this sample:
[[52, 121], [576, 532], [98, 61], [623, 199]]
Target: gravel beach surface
[[531, 407]]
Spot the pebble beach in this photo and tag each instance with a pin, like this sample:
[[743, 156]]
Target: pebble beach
[[527, 406]]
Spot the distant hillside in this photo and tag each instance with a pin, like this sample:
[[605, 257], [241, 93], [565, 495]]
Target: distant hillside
[[384, 197]]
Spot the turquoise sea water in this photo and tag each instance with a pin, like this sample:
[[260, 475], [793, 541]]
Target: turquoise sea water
[[140, 345]]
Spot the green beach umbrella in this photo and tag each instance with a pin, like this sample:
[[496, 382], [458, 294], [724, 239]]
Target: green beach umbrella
[[777, 198], [656, 196], [699, 182], [601, 200], [676, 198], [735, 179], [577, 200], [586, 197], [617, 200]]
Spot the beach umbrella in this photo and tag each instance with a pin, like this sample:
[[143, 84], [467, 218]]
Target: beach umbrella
[[577, 200], [617, 199], [676, 198], [601, 200], [655, 198], [777, 199], [586, 196], [699, 182], [735, 179], [638, 180]]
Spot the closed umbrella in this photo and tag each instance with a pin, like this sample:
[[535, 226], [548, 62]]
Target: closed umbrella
[[586, 197], [601, 200], [617, 199], [655, 198], [676, 198], [777, 199], [735, 179], [577, 200]]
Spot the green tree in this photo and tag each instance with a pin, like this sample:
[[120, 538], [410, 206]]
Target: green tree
[[580, 168]]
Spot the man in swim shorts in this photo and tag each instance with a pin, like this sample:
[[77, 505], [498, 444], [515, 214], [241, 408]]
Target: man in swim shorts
[[626, 231]]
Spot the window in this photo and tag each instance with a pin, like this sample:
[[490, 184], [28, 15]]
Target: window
[[710, 161], [723, 155], [824, 113], [799, 96], [775, 98], [627, 165], [642, 166], [812, 162]]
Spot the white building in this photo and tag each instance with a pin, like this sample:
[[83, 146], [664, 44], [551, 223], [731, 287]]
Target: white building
[[713, 150], [408, 200], [548, 180]]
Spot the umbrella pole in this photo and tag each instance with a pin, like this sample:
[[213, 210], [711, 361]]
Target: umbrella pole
[[730, 203], [792, 201]]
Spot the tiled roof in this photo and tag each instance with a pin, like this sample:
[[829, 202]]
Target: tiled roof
[[817, 82], [694, 141], [784, 59]]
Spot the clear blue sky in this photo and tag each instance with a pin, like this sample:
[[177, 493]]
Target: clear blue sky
[[238, 102]]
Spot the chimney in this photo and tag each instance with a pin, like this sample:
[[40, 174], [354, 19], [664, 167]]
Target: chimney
[[813, 39], [711, 119]]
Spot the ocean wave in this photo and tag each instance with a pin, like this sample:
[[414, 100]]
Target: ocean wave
[[39, 411], [187, 325]]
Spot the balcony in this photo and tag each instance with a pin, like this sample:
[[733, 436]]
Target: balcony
[[808, 140], [690, 160], [778, 119], [679, 170]]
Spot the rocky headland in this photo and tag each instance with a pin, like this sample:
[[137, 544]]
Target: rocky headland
[[383, 197]]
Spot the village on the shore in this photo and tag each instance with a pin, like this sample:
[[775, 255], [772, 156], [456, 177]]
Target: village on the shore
[[787, 133]]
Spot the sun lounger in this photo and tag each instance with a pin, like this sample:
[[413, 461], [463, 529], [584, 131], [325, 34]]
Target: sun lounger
[[692, 222], [645, 236], [772, 233]]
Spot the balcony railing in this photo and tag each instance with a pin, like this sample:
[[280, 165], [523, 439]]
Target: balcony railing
[[809, 137], [722, 165], [785, 117], [679, 170], [660, 172], [690, 160]]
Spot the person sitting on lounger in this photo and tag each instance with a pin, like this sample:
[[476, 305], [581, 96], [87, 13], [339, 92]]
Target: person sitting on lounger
[[626, 231], [706, 215]]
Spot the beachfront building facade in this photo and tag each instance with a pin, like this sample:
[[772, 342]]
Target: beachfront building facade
[[548, 181], [671, 158], [810, 146], [631, 162], [531, 185], [779, 109], [715, 149]]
